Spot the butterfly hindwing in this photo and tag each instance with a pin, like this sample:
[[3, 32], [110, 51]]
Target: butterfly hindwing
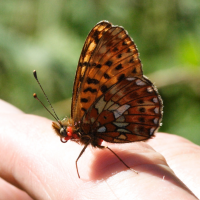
[[129, 111]]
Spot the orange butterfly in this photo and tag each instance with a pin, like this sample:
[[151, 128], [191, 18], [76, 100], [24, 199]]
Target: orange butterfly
[[112, 100]]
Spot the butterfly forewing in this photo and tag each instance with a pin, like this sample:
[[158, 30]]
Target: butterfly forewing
[[82, 69], [104, 62]]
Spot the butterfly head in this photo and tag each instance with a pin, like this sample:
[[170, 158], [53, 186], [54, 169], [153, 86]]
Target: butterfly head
[[65, 130]]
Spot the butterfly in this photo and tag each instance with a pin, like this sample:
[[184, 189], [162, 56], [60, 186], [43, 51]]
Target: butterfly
[[112, 100]]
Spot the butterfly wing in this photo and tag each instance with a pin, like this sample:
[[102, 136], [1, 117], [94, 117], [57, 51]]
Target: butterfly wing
[[83, 67], [107, 52], [112, 99], [131, 110]]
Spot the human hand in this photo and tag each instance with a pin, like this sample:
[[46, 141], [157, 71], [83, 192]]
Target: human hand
[[34, 163]]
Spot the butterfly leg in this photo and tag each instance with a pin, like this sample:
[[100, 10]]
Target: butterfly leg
[[79, 157], [106, 147]]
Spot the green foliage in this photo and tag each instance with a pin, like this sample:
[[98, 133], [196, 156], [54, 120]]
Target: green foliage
[[48, 36]]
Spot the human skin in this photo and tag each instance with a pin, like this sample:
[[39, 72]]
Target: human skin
[[34, 164]]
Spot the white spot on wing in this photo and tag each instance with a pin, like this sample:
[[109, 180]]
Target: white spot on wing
[[130, 79], [114, 107], [122, 137], [117, 140], [92, 119], [149, 89], [118, 112], [155, 100], [100, 105], [156, 110], [123, 130], [139, 82], [101, 129], [121, 124], [155, 121], [152, 130], [121, 119], [110, 103]]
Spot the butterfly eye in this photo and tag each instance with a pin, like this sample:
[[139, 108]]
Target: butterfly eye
[[63, 131]]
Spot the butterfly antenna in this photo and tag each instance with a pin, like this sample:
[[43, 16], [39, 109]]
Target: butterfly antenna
[[35, 96]]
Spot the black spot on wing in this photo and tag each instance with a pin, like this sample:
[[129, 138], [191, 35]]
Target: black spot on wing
[[129, 50], [119, 56], [96, 37], [115, 49], [83, 109], [106, 76], [131, 60], [140, 101], [141, 119], [109, 63], [142, 109], [81, 79], [121, 77], [119, 67], [103, 89], [134, 70], [98, 66], [89, 89], [84, 100], [92, 80]]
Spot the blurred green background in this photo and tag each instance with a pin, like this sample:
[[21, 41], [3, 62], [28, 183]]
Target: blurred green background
[[49, 35]]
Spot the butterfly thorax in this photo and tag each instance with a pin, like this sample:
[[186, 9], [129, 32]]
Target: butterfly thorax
[[68, 130]]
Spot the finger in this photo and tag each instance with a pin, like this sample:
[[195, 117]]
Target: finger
[[10, 192], [182, 156], [154, 178], [33, 158], [8, 108], [21, 153]]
